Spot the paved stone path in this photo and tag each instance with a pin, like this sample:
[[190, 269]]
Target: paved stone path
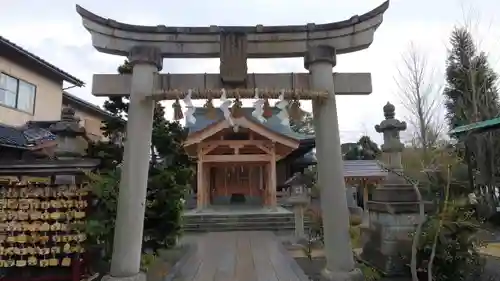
[[240, 256]]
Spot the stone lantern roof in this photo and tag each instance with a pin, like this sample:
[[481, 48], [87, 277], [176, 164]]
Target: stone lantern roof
[[391, 128], [69, 124], [299, 179]]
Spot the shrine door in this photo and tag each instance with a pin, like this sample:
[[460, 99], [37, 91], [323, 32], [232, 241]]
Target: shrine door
[[237, 184]]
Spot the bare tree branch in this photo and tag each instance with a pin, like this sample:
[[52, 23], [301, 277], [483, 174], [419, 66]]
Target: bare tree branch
[[420, 93]]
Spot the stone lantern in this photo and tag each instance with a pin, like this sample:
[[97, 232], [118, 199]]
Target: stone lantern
[[299, 199], [71, 137], [394, 207], [71, 141]]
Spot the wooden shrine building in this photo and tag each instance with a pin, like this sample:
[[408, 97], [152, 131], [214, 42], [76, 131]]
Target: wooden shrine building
[[247, 162]]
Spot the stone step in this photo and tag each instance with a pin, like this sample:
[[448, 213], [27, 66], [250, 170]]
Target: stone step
[[239, 219], [231, 227], [228, 223], [270, 215], [240, 223], [235, 224]]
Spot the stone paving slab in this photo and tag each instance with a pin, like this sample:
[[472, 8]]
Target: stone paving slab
[[491, 249], [240, 256]]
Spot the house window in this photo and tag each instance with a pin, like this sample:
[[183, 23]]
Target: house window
[[17, 93]]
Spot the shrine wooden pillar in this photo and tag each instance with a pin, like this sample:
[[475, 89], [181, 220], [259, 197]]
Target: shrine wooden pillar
[[272, 178], [207, 184], [262, 184], [365, 196], [200, 183]]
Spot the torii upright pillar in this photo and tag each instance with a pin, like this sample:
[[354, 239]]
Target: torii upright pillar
[[340, 262], [125, 264]]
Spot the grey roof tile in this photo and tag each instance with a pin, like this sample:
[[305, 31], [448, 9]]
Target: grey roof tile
[[352, 168], [273, 123], [23, 137], [363, 168]]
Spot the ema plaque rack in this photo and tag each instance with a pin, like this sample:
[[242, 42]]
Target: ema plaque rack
[[40, 224]]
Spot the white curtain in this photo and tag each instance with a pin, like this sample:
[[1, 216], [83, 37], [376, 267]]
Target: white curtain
[[8, 90], [26, 97]]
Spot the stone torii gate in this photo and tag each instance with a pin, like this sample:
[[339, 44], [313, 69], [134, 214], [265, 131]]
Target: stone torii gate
[[147, 46]]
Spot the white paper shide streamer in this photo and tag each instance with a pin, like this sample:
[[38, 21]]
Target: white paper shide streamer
[[282, 105], [190, 109], [258, 107], [225, 107]]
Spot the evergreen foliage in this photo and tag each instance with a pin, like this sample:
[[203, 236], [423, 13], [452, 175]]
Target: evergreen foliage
[[457, 254], [366, 149], [471, 93]]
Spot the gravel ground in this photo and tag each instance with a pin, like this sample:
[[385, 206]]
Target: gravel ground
[[492, 269]]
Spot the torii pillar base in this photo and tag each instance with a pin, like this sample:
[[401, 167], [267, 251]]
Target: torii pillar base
[[353, 275], [138, 277]]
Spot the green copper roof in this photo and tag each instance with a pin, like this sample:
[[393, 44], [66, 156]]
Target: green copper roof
[[477, 127], [273, 123]]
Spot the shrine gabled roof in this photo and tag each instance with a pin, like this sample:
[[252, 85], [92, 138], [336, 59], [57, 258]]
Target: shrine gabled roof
[[363, 168], [273, 123]]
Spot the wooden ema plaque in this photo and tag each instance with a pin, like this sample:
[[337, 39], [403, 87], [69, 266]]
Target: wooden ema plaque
[[40, 225]]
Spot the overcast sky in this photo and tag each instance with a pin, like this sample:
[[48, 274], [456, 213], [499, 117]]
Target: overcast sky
[[52, 30]]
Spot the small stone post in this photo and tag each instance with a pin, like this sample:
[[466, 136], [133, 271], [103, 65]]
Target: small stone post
[[394, 208], [126, 259], [299, 199], [320, 60]]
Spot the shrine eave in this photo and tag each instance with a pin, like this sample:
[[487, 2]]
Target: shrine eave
[[48, 167], [354, 34]]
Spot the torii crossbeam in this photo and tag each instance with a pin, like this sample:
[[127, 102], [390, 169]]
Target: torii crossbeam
[[147, 46]]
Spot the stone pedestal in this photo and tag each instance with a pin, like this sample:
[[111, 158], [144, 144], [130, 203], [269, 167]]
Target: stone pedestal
[[393, 216], [298, 212], [299, 204], [299, 199], [394, 208], [340, 264], [125, 264]]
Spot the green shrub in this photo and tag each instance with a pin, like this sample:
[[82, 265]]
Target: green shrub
[[147, 260], [457, 254], [370, 273]]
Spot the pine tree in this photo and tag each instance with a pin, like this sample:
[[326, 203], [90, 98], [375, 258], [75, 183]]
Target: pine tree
[[366, 149], [470, 92], [471, 95]]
